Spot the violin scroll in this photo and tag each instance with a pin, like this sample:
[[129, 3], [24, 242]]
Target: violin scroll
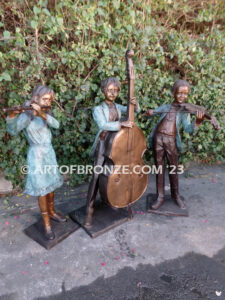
[[214, 123]]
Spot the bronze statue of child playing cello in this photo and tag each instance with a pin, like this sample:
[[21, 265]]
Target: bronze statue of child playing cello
[[107, 116]]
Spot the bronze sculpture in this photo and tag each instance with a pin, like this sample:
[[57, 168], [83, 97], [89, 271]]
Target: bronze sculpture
[[107, 117], [43, 175], [165, 138], [124, 147], [125, 150]]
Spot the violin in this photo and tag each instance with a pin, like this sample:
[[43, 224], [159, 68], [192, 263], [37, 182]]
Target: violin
[[192, 109]]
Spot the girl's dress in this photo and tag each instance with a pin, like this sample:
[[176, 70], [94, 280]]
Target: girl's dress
[[43, 175]]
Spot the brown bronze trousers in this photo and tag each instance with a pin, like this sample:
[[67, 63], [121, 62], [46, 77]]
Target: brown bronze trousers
[[165, 147], [93, 186]]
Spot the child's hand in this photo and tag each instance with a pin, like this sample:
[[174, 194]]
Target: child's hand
[[200, 115], [126, 124], [133, 101], [37, 109], [148, 113], [14, 113]]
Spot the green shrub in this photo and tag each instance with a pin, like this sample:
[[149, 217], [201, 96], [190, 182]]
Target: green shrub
[[73, 45]]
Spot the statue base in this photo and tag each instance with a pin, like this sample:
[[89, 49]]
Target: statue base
[[168, 208], [105, 218], [61, 231]]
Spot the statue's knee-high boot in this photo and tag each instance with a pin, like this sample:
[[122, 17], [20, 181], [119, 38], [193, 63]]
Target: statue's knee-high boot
[[42, 201], [52, 213]]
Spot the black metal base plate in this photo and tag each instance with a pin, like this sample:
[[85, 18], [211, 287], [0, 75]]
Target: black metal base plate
[[168, 208], [61, 230], [105, 218]]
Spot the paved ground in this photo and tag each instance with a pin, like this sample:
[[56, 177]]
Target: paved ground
[[150, 257]]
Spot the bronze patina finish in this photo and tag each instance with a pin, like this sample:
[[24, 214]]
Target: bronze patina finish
[[165, 138], [119, 143], [110, 88], [35, 121], [191, 109], [61, 231], [23, 108], [125, 149], [105, 218]]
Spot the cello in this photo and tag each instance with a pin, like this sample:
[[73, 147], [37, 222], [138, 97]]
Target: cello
[[123, 154]]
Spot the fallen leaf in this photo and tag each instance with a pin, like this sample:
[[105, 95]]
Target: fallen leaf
[[139, 283], [46, 262], [218, 293], [167, 188]]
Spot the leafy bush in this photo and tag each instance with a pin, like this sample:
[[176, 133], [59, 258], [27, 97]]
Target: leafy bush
[[73, 45]]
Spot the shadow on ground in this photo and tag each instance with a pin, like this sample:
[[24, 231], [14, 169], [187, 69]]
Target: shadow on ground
[[12, 296], [191, 277]]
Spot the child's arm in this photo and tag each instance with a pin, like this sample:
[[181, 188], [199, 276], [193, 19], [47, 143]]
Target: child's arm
[[51, 121], [102, 124], [160, 109], [16, 124], [123, 108]]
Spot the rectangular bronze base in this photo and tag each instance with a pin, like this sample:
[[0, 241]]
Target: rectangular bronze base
[[61, 231], [168, 208], [105, 218]]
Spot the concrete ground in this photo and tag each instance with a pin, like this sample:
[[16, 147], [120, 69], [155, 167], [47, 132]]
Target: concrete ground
[[150, 257]]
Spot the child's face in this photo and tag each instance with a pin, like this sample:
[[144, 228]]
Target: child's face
[[181, 94], [45, 100], [111, 92]]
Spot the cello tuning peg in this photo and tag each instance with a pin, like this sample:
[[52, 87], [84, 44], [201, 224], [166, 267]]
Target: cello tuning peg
[[130, 53]]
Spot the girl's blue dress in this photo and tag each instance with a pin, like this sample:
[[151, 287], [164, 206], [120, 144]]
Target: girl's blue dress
[[43, 174]]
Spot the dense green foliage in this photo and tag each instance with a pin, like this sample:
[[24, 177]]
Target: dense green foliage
[[73, 45]]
